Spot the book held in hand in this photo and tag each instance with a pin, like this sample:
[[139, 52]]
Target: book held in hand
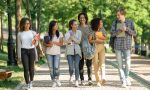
[[46, 39], [119, 27]]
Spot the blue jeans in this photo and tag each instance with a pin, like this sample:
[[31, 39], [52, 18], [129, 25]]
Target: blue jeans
[[123, 69], [73, 62], [53, 63]]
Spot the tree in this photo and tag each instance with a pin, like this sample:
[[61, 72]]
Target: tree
[[18, 17], [10, 44]]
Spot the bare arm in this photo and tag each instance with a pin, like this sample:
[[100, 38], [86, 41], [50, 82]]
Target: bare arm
[[60, 43]]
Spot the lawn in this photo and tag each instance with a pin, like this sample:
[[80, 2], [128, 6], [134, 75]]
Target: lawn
[[17, 74]]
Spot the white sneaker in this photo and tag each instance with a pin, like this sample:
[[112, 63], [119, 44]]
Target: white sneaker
[[71, 80], [82, 82], [54, 84], [58, 83], [128, 82], [90, 82], [98, 84], [124, 85], [26, 87], [76, 83], [31, 84]]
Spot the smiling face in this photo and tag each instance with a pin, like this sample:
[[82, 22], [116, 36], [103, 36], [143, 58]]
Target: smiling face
[[100, 24], [120, 16], [74, 25], [27, 25], [55, 27], [82, 19]]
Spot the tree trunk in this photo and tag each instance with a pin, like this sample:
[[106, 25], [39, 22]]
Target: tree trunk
[[27, 9], [10, 44], [18, 17], [38, 16], [0, 33]]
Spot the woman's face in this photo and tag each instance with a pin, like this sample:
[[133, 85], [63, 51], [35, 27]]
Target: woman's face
[[55, 27], [27, 25], [82, 19], [100, 24], [74, 25]]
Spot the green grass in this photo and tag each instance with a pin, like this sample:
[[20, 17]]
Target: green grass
[[41, 61], [17, 74]]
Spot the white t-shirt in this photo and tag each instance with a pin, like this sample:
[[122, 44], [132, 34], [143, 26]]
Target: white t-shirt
[[54, 50], [25, 39]]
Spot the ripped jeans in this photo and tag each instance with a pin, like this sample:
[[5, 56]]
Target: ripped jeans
[[53, 63]]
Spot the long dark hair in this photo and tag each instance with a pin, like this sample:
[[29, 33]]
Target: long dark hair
[[71, 23], [85, 15], [23, 22], [50, 32]]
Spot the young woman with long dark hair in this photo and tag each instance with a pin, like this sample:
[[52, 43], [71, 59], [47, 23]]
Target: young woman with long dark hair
[[53, 52]]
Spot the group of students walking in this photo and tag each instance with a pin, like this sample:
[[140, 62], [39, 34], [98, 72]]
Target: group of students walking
[[74, 41]]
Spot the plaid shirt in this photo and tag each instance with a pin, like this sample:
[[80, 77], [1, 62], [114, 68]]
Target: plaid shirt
[[123, 43]]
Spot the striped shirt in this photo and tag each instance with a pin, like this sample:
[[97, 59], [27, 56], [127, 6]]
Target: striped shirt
[[123, 43]]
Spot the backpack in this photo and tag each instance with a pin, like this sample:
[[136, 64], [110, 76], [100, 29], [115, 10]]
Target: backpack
[[88, 49], [112, 39]]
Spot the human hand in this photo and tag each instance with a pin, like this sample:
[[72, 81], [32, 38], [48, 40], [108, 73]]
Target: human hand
[[37, 37], [56, 43], [50, 44]]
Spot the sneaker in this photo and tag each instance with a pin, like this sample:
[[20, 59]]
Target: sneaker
[[82, 82], [128, 82], [90, 82], [31, 84], [76, 83], [124, 85], [98, 84], [103, 82], [58, 83], [71, 80], [26, 87], [54, 84]]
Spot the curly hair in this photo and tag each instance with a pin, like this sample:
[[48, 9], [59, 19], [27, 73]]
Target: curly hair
[[95, 23]]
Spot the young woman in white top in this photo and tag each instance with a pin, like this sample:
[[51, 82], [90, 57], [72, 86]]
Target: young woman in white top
[[26, 50], [73, 51], [53, 52]]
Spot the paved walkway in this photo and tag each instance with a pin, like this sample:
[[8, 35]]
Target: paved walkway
[[140, 67], [42, 79]]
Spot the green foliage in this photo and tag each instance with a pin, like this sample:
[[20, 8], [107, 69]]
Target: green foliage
[[41, 61], [64, 10]]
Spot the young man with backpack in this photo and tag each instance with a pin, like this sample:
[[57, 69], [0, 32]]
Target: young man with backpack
[[123, 30]]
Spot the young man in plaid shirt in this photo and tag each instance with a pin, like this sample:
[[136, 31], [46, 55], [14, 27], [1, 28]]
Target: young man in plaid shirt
[[123, 30]]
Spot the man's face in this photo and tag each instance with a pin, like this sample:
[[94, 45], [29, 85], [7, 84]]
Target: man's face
[[120, 16]]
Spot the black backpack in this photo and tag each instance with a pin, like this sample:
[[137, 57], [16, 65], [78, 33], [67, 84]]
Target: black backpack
[[112, 39]]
